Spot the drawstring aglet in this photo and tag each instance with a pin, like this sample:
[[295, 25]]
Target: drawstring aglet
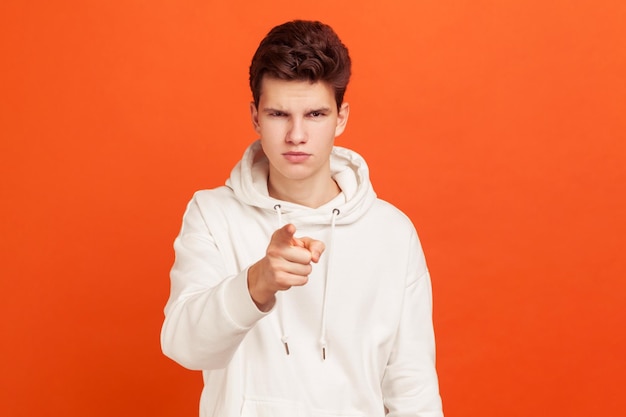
[[286, 347], [324, 353]]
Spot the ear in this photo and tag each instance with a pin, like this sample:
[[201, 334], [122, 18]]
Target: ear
[[342, 118], [254, 115]]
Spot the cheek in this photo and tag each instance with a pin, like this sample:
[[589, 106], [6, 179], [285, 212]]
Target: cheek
[[327, 131], [270, 129]]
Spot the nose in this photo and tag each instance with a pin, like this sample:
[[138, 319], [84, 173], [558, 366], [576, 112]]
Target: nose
[[296, 133]]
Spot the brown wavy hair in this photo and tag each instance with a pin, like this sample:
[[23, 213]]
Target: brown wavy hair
[[302, 50]]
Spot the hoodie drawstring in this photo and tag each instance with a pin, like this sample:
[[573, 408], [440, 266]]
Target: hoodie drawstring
[[279, 214], [329, 263], [284, 337]]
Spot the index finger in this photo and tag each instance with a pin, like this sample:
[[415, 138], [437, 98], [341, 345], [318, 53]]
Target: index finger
[[285, 235]]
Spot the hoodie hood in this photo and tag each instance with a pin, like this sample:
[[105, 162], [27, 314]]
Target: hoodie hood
[[248, 180]]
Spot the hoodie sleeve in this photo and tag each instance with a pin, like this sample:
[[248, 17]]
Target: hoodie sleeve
[[209, 311], [410, 384]]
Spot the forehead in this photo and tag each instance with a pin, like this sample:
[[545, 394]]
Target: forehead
[[281, 93]]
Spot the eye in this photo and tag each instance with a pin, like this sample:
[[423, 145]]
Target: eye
[[316, 114], [275, 113]]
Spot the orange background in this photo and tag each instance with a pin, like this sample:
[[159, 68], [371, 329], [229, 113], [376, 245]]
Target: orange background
[[499, 127]]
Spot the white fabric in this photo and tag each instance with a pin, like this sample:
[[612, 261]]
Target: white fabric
[[380, 352]]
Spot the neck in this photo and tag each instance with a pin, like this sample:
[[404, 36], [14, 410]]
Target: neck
[[303, 193]]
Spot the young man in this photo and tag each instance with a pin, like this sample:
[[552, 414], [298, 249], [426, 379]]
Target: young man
[[295, 290]]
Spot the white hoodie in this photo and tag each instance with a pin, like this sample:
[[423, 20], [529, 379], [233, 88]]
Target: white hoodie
[[359, 334]]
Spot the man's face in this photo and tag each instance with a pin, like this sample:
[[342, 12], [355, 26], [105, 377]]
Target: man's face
[[297, 122]]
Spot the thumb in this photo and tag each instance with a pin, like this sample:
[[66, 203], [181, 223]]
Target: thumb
[[316, 247]]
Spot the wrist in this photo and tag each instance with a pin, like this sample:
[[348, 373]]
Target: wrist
[[262, 298]]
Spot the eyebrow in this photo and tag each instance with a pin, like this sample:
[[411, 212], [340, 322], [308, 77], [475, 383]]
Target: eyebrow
[[320, 110], [271, 110]]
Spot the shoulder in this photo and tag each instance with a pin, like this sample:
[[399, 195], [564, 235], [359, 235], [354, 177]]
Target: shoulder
[[388, 224], [214, 209], [215, 198], [219, 193], [209, 203], [391, 215]]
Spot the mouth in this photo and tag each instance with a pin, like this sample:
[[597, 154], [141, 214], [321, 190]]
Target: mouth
[[296, 156]]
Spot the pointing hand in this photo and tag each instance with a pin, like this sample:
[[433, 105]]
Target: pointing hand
[[287, 263]]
